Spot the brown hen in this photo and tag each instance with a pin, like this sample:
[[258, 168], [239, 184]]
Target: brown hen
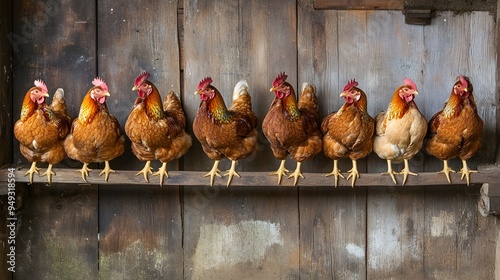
[[156, 132], [95, 135], [348, 132], [456, 130], [42, 128], [223, 132], [291, 127]]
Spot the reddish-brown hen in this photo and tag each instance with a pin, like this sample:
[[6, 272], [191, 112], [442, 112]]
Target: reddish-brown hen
[[291, 127], [348, 132], [225, 132], [456, 130], [42, 128], [400, 131], [156, 130], [95, 135]]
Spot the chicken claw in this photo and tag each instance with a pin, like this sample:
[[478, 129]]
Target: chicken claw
[[406, 171], [335, 172], [281, 171], [231, 172], [214, 172], [49, 174], [353, 173], [106, 170], [466, 172], [446, 170], [390, 171], [147, 169], [33, 169], [161, 172], [296, 174], [84, 171]]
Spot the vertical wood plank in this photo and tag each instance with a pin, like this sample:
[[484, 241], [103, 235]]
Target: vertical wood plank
[[55, 41], [239, 233], [332, 223], [141, 228], [5, 122]]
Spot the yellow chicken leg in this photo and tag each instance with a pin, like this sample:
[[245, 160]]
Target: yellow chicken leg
[[406, 171], [281, 171], [296, 174], [214, 172], [147, 169], [335, 172], [162, 172], [466, 172], [446, 170], [106, 171], [84, 171], [33, 169], [49, 174], [231, 172], [390, 171], [353, 172]]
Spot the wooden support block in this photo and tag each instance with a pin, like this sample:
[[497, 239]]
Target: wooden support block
[[489, 200]]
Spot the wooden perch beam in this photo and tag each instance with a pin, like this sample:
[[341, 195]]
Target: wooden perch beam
[[488, 174]]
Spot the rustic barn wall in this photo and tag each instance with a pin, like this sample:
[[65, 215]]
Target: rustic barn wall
[[138, 232]]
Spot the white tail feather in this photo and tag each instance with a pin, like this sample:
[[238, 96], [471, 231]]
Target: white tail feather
[[59, 93], [240, 88]]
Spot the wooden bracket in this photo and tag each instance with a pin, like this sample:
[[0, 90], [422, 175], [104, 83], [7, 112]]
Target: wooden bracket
[[489, 200], [417, 16]]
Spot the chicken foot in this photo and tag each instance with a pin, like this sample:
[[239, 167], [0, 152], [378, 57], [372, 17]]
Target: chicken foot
[[281, 171], [214, 172], [147, 169], [353, 172], [466, 172], [335, 172], [231, 172], [162, 172], [84, 171], [406, 171], [296, 174], [106, 170], [33, 169], [49, 174], [390, 171], [446, 170]]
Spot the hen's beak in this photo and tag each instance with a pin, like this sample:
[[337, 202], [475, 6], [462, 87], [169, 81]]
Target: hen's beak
[[135, 88], [415, 92], [465, 89], [197, 92], [273, 89], [45, 94], [107, 94], [343, 94]]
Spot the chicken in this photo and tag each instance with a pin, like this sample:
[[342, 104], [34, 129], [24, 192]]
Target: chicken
[[348, 132], [290, 127], [156, 132], [400, 131], [222, 132], [456, 130], [42, 128], [95, 135]]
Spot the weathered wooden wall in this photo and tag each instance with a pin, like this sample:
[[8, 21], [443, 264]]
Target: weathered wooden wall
[[138, 232]]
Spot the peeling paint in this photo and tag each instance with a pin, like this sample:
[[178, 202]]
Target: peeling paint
[[220, 246]]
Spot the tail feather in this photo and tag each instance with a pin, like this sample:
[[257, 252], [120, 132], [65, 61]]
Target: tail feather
[[241, 97], [172, 102], [308, 100], [58, 105]]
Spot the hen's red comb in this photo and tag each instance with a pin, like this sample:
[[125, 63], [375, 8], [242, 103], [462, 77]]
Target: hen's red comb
[[205, 82], [40, 84], [98, 82], [464, 82], [141, 78], [410, 83], [352, 83], [280, 79]]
